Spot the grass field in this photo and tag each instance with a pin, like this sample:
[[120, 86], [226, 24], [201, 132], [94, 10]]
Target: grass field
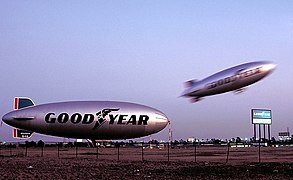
[[146, 163]]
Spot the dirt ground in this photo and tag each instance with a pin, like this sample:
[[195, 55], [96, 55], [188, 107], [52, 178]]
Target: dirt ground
[[84, 163]]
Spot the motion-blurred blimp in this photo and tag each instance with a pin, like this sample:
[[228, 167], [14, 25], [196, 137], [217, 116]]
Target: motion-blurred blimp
[[235, 79], [93, 120]]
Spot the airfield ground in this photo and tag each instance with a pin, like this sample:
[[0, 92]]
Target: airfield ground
[[83, 163]]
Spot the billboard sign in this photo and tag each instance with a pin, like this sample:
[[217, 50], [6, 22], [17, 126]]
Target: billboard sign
[[284, 134], [261, 116]]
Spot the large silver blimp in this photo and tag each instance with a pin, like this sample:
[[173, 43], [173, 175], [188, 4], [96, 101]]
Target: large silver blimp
[[233, 79], [85, 119]]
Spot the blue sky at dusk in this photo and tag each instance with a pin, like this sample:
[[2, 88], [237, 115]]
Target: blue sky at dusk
[[142, 52]]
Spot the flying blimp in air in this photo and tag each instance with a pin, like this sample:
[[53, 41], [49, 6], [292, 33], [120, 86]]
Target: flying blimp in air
[[235, 79], [93, 120]]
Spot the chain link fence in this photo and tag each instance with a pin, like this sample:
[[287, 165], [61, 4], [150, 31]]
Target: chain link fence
[[140, 151]]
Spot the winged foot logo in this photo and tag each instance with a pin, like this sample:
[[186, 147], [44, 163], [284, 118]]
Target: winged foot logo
[[99, 118]]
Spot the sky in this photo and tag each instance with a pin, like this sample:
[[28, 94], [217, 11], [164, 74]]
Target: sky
[[142, 52]]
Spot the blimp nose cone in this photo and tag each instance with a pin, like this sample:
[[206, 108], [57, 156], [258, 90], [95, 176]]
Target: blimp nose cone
[[269, 67], [7, 118], [162, 122], [159, 122]]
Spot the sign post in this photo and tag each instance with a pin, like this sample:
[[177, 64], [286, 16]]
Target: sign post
[[261, 117]]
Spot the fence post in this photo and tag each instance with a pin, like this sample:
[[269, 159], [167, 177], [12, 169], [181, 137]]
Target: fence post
[[26, 150], [76, 151], [118, 151], [228, 151], [10, 150], [42, 153], [97, 151], [168, 151], [58, 149], [142, 151], [194, 150]]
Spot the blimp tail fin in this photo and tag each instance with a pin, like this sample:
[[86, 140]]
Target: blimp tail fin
[[19, 103], [22, 102], [190, 83]]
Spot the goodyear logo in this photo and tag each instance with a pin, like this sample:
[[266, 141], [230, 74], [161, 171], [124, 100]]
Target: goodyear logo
[[99, 118], [240, 75], [262, 114]]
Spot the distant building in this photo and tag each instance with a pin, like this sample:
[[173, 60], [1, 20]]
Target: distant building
[[191, 139], [284, 136]]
